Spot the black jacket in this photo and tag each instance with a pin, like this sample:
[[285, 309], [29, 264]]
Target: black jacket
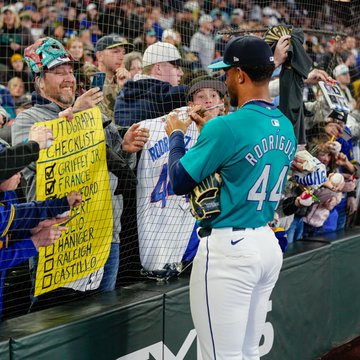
[[147, 99], [15, 158], [292, 76]]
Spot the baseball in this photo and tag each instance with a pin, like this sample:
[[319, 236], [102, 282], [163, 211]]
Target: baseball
[[336, 179], [335, 147]]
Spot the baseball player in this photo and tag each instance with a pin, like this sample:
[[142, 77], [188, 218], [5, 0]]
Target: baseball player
[[239, 259], [165, 224]]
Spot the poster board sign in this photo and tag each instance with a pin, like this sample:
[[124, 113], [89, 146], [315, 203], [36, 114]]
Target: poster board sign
[[76, 161]]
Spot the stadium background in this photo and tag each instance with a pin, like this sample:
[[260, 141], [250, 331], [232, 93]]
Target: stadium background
[[142, 23]]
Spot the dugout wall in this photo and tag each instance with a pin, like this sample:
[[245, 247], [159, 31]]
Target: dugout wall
[[314, 307]]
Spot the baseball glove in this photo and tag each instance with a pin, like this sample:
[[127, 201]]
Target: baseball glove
[[205, 198]]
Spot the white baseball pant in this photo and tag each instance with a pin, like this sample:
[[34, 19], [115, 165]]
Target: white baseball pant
[[233, 275]]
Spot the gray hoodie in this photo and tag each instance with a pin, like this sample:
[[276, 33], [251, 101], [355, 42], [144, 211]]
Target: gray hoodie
[[20, 132]]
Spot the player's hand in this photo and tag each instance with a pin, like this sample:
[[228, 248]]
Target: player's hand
[[88, 100], [122, 75], [317, 75], [281, 50], [135, 138], [174, 123], [198, 117], [46, 233], [74, 199], [42, 135]]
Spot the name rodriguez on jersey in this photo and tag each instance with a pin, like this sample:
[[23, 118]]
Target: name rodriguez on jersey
[[272, 142]]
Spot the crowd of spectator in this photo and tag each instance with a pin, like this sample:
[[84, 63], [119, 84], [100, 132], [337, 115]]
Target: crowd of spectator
[[151, 53]]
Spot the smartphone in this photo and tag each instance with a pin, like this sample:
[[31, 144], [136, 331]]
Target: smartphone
[[69, 219], [98, 80]]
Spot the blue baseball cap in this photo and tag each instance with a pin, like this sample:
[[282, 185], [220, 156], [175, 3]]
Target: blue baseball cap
[[245, 50]]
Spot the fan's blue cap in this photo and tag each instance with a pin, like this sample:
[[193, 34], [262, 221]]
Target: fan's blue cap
[[245, 50]]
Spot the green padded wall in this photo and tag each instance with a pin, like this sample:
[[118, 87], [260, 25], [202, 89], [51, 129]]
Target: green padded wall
[[346, 295], [315, 306]]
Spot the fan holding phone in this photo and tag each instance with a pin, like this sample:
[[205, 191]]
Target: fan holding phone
[[110, 73], [98, 80]]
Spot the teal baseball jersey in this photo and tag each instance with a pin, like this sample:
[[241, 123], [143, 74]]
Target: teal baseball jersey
[[252, 148]]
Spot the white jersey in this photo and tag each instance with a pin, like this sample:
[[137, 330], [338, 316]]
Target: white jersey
[[164, 221]]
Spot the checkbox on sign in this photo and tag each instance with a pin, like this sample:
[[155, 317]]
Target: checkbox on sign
[[49, 172], [50, 187], [47, 281]]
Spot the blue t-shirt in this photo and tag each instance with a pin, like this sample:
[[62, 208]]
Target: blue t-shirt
[[252, 148]]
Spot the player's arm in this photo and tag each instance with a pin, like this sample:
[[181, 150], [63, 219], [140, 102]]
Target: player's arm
[[195, 165], [181, 182]]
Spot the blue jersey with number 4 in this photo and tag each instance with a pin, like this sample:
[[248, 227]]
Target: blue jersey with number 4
[[252, 148]]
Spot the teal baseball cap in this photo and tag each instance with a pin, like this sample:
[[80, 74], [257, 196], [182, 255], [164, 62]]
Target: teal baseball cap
[[245, 50]]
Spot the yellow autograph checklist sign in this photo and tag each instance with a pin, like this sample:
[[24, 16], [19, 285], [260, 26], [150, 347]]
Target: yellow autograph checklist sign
[[75, 161]]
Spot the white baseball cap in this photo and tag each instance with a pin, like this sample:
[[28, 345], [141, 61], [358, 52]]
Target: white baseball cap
[[205, 19], [341, 69], [169, 33], [90, 7], [237, 12], [11, 8], [161, 52]]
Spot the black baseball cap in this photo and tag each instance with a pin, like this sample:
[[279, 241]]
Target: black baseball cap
[[338, 115], [245, 50], [202, 82], [112, 41]]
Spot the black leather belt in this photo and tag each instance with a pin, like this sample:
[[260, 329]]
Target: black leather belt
[[206, 231]]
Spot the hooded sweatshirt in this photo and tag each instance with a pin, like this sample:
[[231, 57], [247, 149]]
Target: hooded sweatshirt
[[44, 110], [147, 98]]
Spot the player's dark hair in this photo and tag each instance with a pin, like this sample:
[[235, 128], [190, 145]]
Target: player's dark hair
[[259, 73]]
